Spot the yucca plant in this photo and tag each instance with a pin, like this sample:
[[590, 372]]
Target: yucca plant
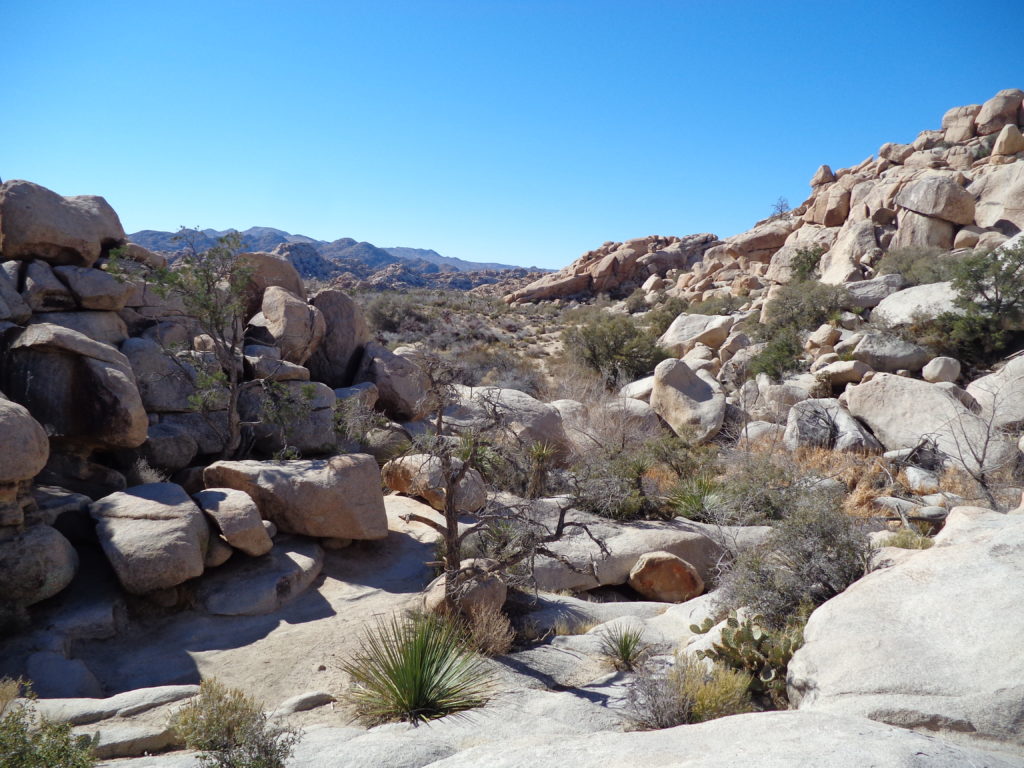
[[623, 646], [415, 669], [696, 498]]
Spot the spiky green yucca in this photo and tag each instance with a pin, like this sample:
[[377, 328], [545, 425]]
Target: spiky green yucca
[[415, 669], [623, 645]]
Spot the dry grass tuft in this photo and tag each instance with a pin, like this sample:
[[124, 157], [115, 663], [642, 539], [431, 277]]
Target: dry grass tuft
[[490, 631]]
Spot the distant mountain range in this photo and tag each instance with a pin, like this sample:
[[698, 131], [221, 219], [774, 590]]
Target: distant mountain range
[[321, 259]]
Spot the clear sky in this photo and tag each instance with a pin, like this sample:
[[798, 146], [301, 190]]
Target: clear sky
[[523, 132]]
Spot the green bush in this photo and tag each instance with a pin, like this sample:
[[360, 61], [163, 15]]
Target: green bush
[[781, 355], [716, 305], [415, 669], [614, 346], [394, 312], [908, 539], [762, 653], [689, 693], [810, 556], [231, 730], [804, 264], [803, 307], [661, 316], [919, 265], [27, 744]]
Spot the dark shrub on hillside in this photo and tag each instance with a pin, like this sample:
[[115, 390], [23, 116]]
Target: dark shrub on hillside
[[919, 266], [615, 346]]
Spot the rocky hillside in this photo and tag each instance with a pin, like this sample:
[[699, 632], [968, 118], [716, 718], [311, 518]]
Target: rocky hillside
[[794, 536], [355, 263], [958, 186]]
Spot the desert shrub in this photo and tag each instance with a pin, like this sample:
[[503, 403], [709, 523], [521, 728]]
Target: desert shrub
[[716, 305], [490, 632], [762, 653], [990, 297], [698, 497], [623, 645], [803, 307], [354, 420], [690, 692], [25, 743], [415, 669], [394, 312], [636, 302], [814, 553], [614, 346], [231, 730], [488, 365], [919, 265], [804, 264], [908, 539], [661, 316], [780, 356]]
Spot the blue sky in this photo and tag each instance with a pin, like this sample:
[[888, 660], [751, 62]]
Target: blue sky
[[491, 130]]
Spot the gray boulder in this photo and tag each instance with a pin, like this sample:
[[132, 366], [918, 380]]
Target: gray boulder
[[36, 564], [885, 352], [401, 385], [154, 536], [237, 518], [885, 648], [691, 403], [825, 423], [920, 302], [336, 360]]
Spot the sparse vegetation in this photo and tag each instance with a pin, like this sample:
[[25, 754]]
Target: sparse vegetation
[[623, 645], [614, 346], [415, 669], [28, 742], [918, 265], [804, 264], [690, 692], [231, 730], [908, 539]]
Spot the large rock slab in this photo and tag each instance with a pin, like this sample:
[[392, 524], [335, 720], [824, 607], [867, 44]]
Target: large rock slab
[[921, 302], [690, 402], [336, 360], [94, 288], [866, 294], [307, 408], [82, 711], [888, 648], [261, 585], [154, 536], [107, 327], [269, 269], [1001, 395], [36, 223], [766, 739], [686, 331], [940, 197], [401, 385], [81, 391], [166, 384], [339, 497], [890, 353], [902, 412], [1002, 109], [523, 418]]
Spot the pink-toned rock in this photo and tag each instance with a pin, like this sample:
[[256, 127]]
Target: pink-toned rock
[[666, 578], [1000, 110]]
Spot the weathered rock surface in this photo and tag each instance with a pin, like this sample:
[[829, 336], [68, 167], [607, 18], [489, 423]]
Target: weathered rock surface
[[940, 197], [36, 223], [688, 330], [338, 497], [524, 418], [895, 665], [82, 711], [237, 518], [36, 564], [690, 402], [920, 302], [478, 590], [902, 412], [423, 476], [154, 536], [401, 385], [336, 360], [889, 353], [257, 586], [47, 370], [24, 448], [665, 577], [1001, 395], [825, 423], [295, 327]]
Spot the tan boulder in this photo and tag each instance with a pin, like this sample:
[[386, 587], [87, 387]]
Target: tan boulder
[[83, 392], [35, 564], [940, 197], [154, 536], [294, 326], [24, 447], [808, 236], [823, 175], [237, 518], [94, 288], [686, 331], [401, 384], [336, 360], [666, 578], [106, 327], [1002, 109], [958, 123], [338, 497], [36, 223], [478, 590], [270, 269], [857, 241], [1009, 142], [423, 476], [691, 403], [41, 289], [1000, 195], [917, 231]]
